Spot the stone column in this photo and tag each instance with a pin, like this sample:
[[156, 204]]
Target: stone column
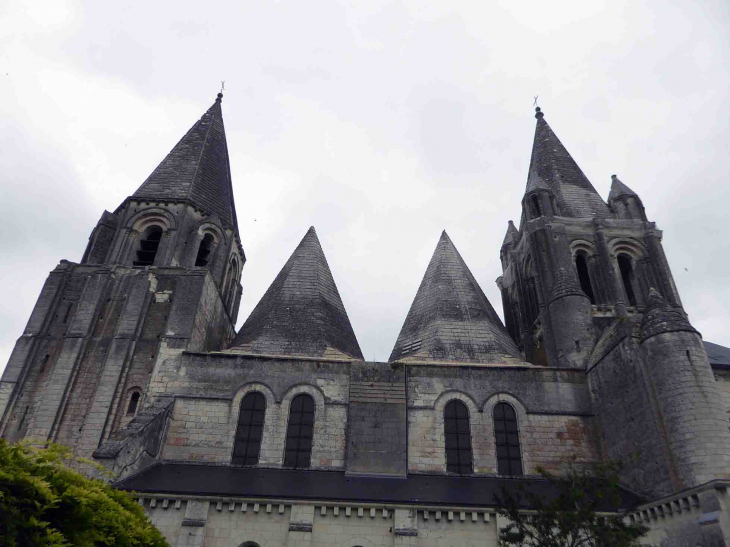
[[614, 288]]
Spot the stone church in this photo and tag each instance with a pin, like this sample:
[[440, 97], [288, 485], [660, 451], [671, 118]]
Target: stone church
[[282, 434]]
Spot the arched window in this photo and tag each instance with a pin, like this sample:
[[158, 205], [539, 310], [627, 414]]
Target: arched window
[[581, 265], [535, 206], [458, 438], [627, 276], [250, 428], [148, 246], [509, 459], [204, 250], [299, 432], [133, 403]]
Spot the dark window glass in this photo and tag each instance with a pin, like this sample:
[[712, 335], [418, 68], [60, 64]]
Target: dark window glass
[[298, 450], [204, 250], [509, 461], [585, 279], [148, 246], [458, 438], [250, 430], [627, 275], [133, 402]]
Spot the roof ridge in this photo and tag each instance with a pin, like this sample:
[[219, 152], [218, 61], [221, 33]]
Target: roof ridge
[[202, 148]]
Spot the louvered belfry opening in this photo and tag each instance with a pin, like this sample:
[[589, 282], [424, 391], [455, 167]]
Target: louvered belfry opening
[[299, 432], [627, 275], [148, 246], [458, 438], [250, 429], [509, 458], [581, 266], [204, 251]]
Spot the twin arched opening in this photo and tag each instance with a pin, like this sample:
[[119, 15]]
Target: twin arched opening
[[250, 429], [457, 436]]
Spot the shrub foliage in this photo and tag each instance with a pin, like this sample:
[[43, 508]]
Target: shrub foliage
[[45, 503]]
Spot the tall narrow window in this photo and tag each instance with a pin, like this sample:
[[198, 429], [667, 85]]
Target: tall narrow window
[[458, 438], [231, 283], [581, 265], [627, 276], [535, 206], [299, 432], [250, 428], [509, 459], [148, 246], [204, 250], [133, 404]]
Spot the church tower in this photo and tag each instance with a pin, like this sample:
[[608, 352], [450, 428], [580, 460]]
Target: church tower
[[586, 285], [576, 262], [160, 275]]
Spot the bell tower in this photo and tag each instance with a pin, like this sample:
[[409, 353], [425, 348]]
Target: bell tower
[[576, 262], [160, 275]]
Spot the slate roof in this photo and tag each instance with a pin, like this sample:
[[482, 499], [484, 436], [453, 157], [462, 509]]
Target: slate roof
[[207, 480], [552, 164], [618, 188], [302, 312], [719, 355], [197, 169], [451, 319]]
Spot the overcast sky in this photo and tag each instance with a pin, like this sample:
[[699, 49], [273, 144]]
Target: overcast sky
[[380, 123]]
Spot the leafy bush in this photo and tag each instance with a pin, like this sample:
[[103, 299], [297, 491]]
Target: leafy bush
[[45, 503]]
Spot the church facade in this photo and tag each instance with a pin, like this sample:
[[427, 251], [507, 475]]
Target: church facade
[[282, 434]]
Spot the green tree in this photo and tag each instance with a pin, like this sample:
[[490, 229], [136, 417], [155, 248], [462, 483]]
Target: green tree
[[571, 516], [45, 503]]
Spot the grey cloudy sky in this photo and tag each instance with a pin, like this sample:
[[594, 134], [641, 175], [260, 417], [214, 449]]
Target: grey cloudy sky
[[380, 123]]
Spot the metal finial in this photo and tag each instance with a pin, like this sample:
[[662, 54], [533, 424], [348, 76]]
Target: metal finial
[[538, 113]]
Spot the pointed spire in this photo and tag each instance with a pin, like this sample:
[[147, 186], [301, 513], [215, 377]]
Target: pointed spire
[[552, 165], [301, 313], [197, 169], [660, 317], [618, 188], [511, 235], [451, 320]]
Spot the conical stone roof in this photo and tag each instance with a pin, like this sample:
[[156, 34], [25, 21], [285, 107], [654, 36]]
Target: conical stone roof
[[660, 317], [553, 165], [511, 236], [565, 285], [618, 188], [301, 314], [451, 319], [197, 170]]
